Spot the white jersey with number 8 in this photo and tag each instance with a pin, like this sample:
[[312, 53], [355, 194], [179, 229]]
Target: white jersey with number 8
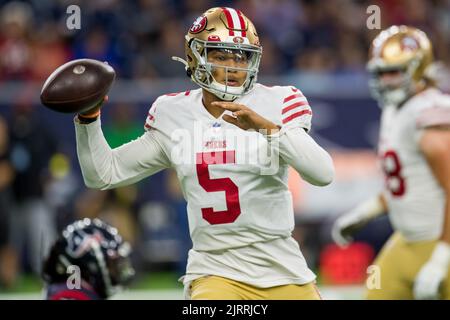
[[414, 197]]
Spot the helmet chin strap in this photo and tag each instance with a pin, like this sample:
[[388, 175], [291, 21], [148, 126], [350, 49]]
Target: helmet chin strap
[[178, 59], [186, 65], [226, 92]]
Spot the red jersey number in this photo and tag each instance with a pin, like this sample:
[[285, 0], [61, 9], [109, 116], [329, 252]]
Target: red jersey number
[[204, 160], [392, 168]]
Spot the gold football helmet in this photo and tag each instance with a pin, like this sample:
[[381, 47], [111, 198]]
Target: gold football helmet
[[228, 30], [402, 49]]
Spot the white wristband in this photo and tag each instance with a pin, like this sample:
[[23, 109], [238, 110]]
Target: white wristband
[[441, 253]]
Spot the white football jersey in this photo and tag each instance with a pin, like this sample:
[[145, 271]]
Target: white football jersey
[[239, 207], [414, 197]]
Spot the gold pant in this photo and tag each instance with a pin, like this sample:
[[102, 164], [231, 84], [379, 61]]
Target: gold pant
[[219, 288], [399, 262]]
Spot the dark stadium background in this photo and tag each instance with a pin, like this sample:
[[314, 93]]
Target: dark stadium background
[[318, 46]]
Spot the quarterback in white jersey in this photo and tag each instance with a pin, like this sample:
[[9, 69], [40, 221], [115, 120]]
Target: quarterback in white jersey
[[414, 152], [231, 143]]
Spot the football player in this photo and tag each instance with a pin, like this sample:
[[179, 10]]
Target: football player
[[414, 150], [89, 261], [240, 209]]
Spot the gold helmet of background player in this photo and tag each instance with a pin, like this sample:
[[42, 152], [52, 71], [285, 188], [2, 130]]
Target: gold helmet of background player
[[224, 29], [399, 49]]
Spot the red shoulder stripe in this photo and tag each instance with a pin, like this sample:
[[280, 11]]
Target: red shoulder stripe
[[293, 106], [296, 115], [297, 95]]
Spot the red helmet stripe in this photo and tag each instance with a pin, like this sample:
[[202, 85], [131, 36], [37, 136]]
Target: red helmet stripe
[[229, 20], [241, 21], [236, 22]]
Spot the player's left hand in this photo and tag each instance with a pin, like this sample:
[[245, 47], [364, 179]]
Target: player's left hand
[[245, 118], [433, 272]]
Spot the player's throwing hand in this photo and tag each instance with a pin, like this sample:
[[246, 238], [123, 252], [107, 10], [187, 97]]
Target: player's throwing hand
[[245, 118]]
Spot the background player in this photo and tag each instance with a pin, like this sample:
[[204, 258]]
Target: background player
[[98, 252], [240, 217], [414, 149]]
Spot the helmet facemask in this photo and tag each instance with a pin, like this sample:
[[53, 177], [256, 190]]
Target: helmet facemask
[[396, 90], [246, 59], [119, 266]]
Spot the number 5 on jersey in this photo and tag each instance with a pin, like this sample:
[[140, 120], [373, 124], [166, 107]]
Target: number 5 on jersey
[[204, 161]]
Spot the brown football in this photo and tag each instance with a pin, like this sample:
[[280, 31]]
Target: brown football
[[77, 85]]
